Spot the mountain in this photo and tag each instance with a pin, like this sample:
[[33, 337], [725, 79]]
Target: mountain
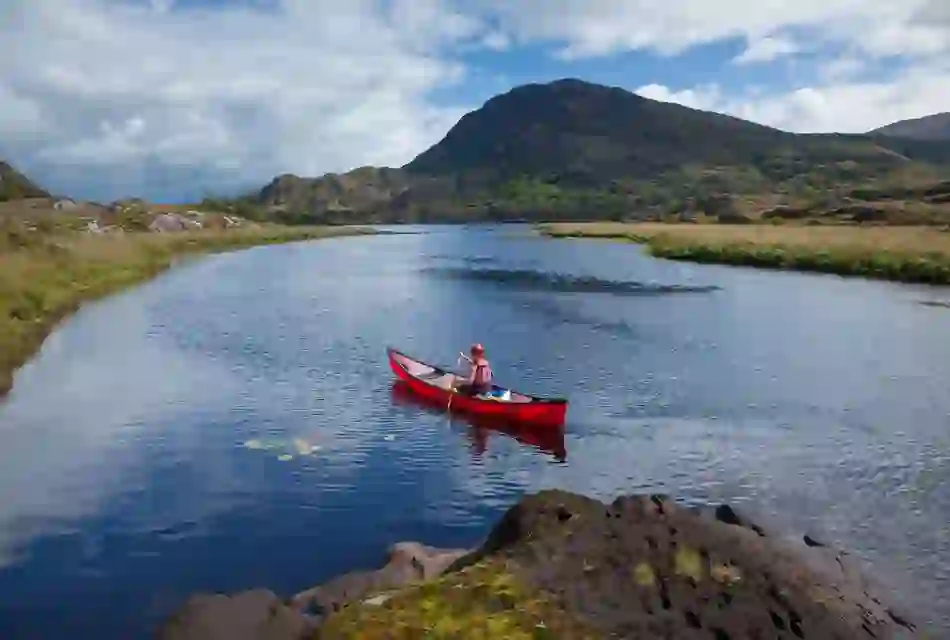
[[585, 133], [571, 149], [934, 127], [15, 186]]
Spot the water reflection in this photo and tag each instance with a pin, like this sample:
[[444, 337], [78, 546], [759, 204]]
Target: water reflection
[[148, 448], [481, 428]]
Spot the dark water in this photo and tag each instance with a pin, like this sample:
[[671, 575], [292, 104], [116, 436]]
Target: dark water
[[134, 466]]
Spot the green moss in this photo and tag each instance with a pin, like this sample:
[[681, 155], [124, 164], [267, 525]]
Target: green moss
[[689, 563], [482, 601]]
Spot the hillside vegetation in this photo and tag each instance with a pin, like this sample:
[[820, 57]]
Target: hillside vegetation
[[932, 127], [572, 150], [16, 186]]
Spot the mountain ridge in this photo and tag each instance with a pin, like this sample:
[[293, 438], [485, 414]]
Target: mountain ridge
[[933, 127], [574, 150]]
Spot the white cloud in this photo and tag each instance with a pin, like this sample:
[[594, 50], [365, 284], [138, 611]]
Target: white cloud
[[600, 27], [842, 68], [848, 107], [158, 97], [699, 98], [766, 49], [241, 93], [496, 41]]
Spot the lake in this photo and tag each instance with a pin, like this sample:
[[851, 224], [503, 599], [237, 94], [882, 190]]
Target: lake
[[233, 423]]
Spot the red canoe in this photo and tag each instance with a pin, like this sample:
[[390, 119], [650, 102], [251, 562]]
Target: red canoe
[[480, 427], [434, 383]]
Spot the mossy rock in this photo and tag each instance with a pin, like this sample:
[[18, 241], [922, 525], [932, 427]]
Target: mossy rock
[[485, 600]]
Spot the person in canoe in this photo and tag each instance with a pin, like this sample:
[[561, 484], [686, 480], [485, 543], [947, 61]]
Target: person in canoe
[[479, 376]]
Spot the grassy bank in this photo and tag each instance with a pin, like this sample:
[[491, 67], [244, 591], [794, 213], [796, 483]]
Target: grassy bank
[[45, 277], [905, 254]]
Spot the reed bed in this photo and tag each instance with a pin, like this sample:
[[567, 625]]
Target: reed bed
[[904, 254]]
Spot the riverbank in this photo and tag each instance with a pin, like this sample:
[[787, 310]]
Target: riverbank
[[560, 565], [45, 277], [903, 254]]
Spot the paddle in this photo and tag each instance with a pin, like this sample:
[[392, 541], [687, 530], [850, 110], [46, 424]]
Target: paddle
[[452, 390]]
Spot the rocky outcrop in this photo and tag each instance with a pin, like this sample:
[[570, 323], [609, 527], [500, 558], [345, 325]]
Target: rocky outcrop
[[252, 615], [170, 223], [360, 189], [562, 565], [259, 614], [408, 562], [646, 567]]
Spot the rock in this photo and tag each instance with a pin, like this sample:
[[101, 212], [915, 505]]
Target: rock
[[127, 205], [561, 565], [644, 567], [811, 542], [408, 562], [172, 222], [687, 571], [251, 615], [167, 223]]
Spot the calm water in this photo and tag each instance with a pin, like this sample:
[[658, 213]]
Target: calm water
[[144, 452]]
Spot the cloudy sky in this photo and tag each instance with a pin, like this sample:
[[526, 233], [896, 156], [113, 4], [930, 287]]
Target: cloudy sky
[[172, 99]]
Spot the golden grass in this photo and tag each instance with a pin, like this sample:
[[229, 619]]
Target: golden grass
[[907, 254], [43, 277]]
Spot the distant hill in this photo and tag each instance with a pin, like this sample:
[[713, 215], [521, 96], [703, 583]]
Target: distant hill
[[577, 133], [574, 150], [16, 186], [934, 127], [335, 196]]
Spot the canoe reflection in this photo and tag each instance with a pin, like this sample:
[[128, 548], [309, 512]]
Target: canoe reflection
[[548, 440]]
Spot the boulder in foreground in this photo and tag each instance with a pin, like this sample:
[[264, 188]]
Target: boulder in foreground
[[559, 565]]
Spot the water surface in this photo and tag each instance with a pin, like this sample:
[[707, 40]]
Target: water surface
[[153, 448]]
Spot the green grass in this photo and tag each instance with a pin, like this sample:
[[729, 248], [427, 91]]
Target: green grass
[[904, 254], [45, 277]]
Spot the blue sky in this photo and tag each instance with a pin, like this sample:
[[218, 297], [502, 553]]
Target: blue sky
[[172, 99]]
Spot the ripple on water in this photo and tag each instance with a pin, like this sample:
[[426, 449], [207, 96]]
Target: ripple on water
[[831, 421]]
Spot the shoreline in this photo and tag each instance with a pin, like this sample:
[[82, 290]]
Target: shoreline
[[559, 564], [913, 255], [44, 280]]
